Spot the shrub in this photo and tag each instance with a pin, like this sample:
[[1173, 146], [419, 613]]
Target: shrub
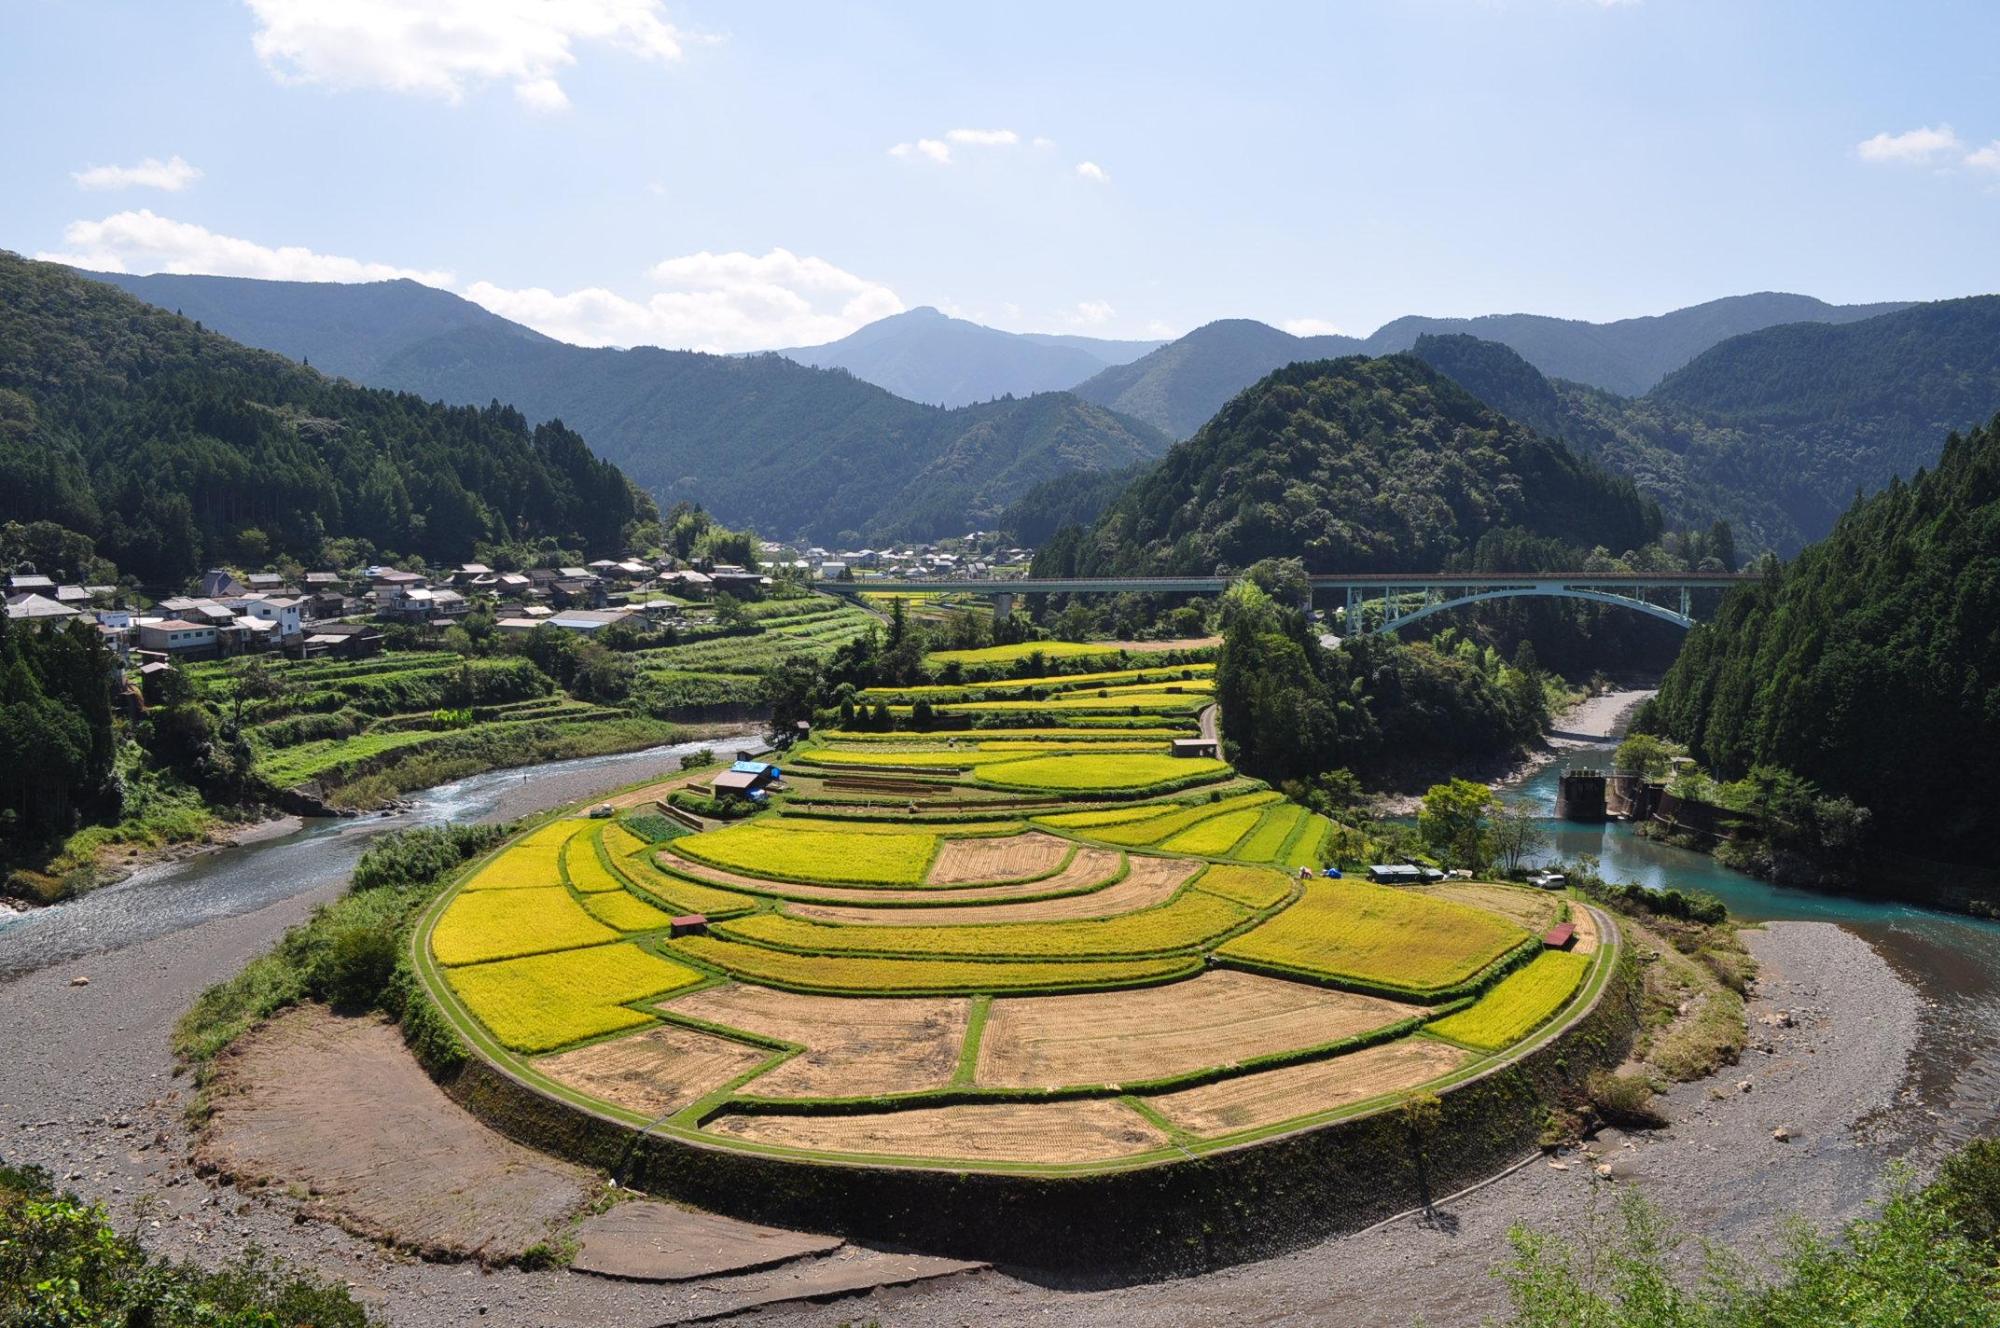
[[1624, 1100], [356, 966]]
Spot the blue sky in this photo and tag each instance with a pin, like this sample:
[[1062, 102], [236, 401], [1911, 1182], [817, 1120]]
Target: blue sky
[[748, 175]]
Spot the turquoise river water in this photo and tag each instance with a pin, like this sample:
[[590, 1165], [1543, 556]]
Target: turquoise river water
[[1953, 961]]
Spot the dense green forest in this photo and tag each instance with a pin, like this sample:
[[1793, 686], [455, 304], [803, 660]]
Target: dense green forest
[[757, 439], [174, 448], [1773, 431], [57, 749], [1374, 706], [1870, 666], [1354, 464]]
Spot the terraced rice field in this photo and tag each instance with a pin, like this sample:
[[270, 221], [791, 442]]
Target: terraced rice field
[[862, 985], [1378, 938]]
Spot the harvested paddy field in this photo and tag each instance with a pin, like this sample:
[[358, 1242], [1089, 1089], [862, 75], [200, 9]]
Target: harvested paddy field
[[1014, 858], [1272, 1097], [1148, 882], [655, 1072], [1051, 1132], [1121, 1036], [854, 1046], [1090, 869]]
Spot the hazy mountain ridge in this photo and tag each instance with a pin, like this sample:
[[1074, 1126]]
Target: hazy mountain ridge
[[927, 356], [758, 439], [1178, 387]]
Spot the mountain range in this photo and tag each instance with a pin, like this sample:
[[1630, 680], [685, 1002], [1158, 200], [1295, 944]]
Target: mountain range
[[1178, 387], [1775, 430], [759, 440], [928, 356]]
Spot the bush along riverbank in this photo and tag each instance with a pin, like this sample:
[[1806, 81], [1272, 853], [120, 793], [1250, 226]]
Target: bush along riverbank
[[1780, 828]]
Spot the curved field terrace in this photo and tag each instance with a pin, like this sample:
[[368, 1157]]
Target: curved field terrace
[[1137, 961]]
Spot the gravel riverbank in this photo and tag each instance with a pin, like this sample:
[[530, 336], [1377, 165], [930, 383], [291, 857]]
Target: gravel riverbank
[[90, 1093], [1717, 1170]]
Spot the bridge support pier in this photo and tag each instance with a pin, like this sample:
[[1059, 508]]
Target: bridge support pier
[[1003, 606]]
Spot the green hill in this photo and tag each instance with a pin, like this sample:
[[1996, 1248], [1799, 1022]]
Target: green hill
[[1774, 431], [1871, 664], [1349, 464], [173, 447], [759, 440]]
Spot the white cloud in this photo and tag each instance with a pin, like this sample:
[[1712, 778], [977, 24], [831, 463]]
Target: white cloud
[[939, 149], [143, 242], [1091, 313], [1090, 170], [993, 138], [1311, 327], [707, 301], [1986, 158], [934, 148], [1912, 147], [1044, 142], [174, 174], [1159, 329], [444, 48]]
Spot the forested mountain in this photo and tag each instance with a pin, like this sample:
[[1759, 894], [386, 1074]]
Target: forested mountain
[[757, 439], [345, 329], [1871, 664], [1358, 464], [173, 447], [1183, 383], [926, 356], [1774, 431]]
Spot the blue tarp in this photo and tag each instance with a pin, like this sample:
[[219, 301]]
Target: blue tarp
[[757, 768]]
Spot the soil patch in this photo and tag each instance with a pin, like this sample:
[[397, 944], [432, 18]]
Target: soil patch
[[655, 1072], [339, 1108], [998, 861], [979, 1132], [656, 1242], [1150, 882], [1218, 1018], [1273, 1096], [854, 1045]]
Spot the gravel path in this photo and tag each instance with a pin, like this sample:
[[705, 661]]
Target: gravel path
[[1717, 1170]]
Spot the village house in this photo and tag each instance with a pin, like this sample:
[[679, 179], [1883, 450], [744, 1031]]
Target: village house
[[179, 637]]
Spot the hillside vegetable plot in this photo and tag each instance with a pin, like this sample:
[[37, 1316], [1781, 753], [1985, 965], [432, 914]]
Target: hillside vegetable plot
[[551, 1000], [1519, 1003], [499, 924], [1376, 936]]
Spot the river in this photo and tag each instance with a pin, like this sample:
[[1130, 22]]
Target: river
[[1952, 960], [318, 857]]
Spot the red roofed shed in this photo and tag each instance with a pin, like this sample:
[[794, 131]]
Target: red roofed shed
[[1560, 936]]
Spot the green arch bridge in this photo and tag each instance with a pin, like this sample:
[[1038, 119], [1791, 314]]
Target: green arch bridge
[[1400, 598]]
